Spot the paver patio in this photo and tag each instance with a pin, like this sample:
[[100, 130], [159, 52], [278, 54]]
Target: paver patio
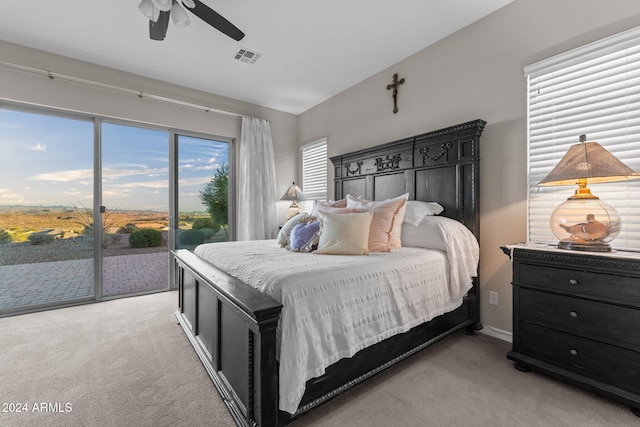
[[25, 285]]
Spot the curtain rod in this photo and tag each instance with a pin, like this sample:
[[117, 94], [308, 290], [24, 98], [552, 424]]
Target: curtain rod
[[139, 94]]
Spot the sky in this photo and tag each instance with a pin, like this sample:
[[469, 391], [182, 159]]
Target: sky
[[48, 160]]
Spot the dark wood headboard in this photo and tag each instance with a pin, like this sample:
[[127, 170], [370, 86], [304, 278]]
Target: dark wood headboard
[[440, 166]]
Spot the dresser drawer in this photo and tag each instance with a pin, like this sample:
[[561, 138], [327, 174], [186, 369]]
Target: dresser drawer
[[595, 319], [578, 282], [592, 359]]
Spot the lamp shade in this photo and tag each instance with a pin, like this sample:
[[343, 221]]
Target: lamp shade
[[590, 161], [293, 193]]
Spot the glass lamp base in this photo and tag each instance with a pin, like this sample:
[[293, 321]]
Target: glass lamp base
[[573, 245]]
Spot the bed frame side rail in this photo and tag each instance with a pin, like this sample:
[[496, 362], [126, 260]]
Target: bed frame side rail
[[233, 330]]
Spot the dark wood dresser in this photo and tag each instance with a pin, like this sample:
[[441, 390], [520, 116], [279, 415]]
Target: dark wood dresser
[[576, 316]]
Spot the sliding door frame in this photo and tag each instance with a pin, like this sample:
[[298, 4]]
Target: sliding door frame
[[173, 190], [172, 134]]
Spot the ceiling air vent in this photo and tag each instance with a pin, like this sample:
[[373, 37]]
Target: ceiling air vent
[[245, 55]]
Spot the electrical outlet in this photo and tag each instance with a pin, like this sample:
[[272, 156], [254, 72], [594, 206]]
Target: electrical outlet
[[493, 298]]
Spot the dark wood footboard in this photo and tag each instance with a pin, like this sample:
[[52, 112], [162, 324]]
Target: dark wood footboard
[[232, 327]]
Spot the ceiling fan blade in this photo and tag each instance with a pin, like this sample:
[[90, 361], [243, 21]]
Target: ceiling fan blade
[[158, 30], [216, 20]]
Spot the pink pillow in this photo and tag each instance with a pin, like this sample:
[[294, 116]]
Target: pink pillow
[[386, 226], [321, 205]]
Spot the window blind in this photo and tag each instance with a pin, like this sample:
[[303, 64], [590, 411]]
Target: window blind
[[592, 90], [314, 172]]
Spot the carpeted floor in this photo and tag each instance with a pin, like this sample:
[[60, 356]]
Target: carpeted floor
[[126, 363]]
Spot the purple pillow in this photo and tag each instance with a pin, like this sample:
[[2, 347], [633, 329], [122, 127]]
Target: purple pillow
[[305, 237]]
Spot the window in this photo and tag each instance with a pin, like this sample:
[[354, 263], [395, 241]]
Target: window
[[592, 90], [314, 172]]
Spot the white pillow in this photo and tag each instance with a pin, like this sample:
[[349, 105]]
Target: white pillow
[[344, 234], [285, 232], [416, 211], [435, 232]]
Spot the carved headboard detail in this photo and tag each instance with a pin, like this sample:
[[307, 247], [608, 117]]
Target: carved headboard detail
[[440, 166]]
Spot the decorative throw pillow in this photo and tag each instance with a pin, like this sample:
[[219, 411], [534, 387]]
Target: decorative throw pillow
[[321, 205], [417, 211], [285, 231], [386, 225], [344, 234], [305, 237]]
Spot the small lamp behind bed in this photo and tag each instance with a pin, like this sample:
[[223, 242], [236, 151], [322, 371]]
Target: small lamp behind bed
[[293, 193]]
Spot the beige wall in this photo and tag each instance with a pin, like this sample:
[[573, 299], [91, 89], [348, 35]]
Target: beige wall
[[475, 73], [35, 89]]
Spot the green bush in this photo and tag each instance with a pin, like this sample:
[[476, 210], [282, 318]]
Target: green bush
[[192, 237], [5, 237], [145, 238], [41, 238], [201, 223], [207, 232]]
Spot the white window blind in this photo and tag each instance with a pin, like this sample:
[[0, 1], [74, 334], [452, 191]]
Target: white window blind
[[592, 90], [314, 172]]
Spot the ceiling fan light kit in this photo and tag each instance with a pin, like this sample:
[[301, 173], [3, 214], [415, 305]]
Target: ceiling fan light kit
[[158, 11], [151, 12], [163, 5], [179, 16]]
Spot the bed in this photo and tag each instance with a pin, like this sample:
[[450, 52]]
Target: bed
[[233, 315]]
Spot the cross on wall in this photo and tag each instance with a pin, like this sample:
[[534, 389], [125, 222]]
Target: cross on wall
[[396, 83]]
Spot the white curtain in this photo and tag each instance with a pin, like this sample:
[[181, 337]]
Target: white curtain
[[257, 215]]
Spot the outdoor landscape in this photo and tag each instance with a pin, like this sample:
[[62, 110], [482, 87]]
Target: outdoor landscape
[[32, 234]]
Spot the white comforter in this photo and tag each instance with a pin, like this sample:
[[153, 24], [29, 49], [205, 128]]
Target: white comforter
[[336, 305]]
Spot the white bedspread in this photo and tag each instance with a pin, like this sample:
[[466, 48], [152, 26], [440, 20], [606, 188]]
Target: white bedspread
[[336, 305]]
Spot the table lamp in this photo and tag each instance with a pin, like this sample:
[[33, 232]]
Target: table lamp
[[294, 194], [584, 222]]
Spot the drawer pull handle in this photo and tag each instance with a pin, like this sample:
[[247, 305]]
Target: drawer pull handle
[[573, 314], [573, 281], [573, 352]]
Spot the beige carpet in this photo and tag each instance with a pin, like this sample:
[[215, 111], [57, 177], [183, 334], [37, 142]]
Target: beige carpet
[[127, 363]]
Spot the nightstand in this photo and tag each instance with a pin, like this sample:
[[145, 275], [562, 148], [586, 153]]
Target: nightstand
[[576, 316]]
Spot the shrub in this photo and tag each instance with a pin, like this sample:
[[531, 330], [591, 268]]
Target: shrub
[[207, 232], [192, 237], [201, 223], [5, 237], [41, 238], [108, 240], [127, 229], [145, 238]]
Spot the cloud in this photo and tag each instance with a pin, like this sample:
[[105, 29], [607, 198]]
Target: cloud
[[193, 181], [65, 176], [119, 173], [37, 147], [7, 198]]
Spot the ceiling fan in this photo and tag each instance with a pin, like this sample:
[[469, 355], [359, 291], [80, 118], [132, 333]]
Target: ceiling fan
[[158, 12]]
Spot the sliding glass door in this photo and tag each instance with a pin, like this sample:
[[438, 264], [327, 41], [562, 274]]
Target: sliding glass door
[[46, 205], [85, 203], [204, 191], [135, 212]]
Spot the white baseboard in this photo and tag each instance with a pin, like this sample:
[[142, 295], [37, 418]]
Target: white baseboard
[[497, 333]]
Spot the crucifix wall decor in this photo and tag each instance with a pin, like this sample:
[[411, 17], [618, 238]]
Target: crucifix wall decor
[[394, 86]]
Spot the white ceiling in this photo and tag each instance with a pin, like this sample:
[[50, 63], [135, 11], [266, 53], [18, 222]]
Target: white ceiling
[[312, 49]]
